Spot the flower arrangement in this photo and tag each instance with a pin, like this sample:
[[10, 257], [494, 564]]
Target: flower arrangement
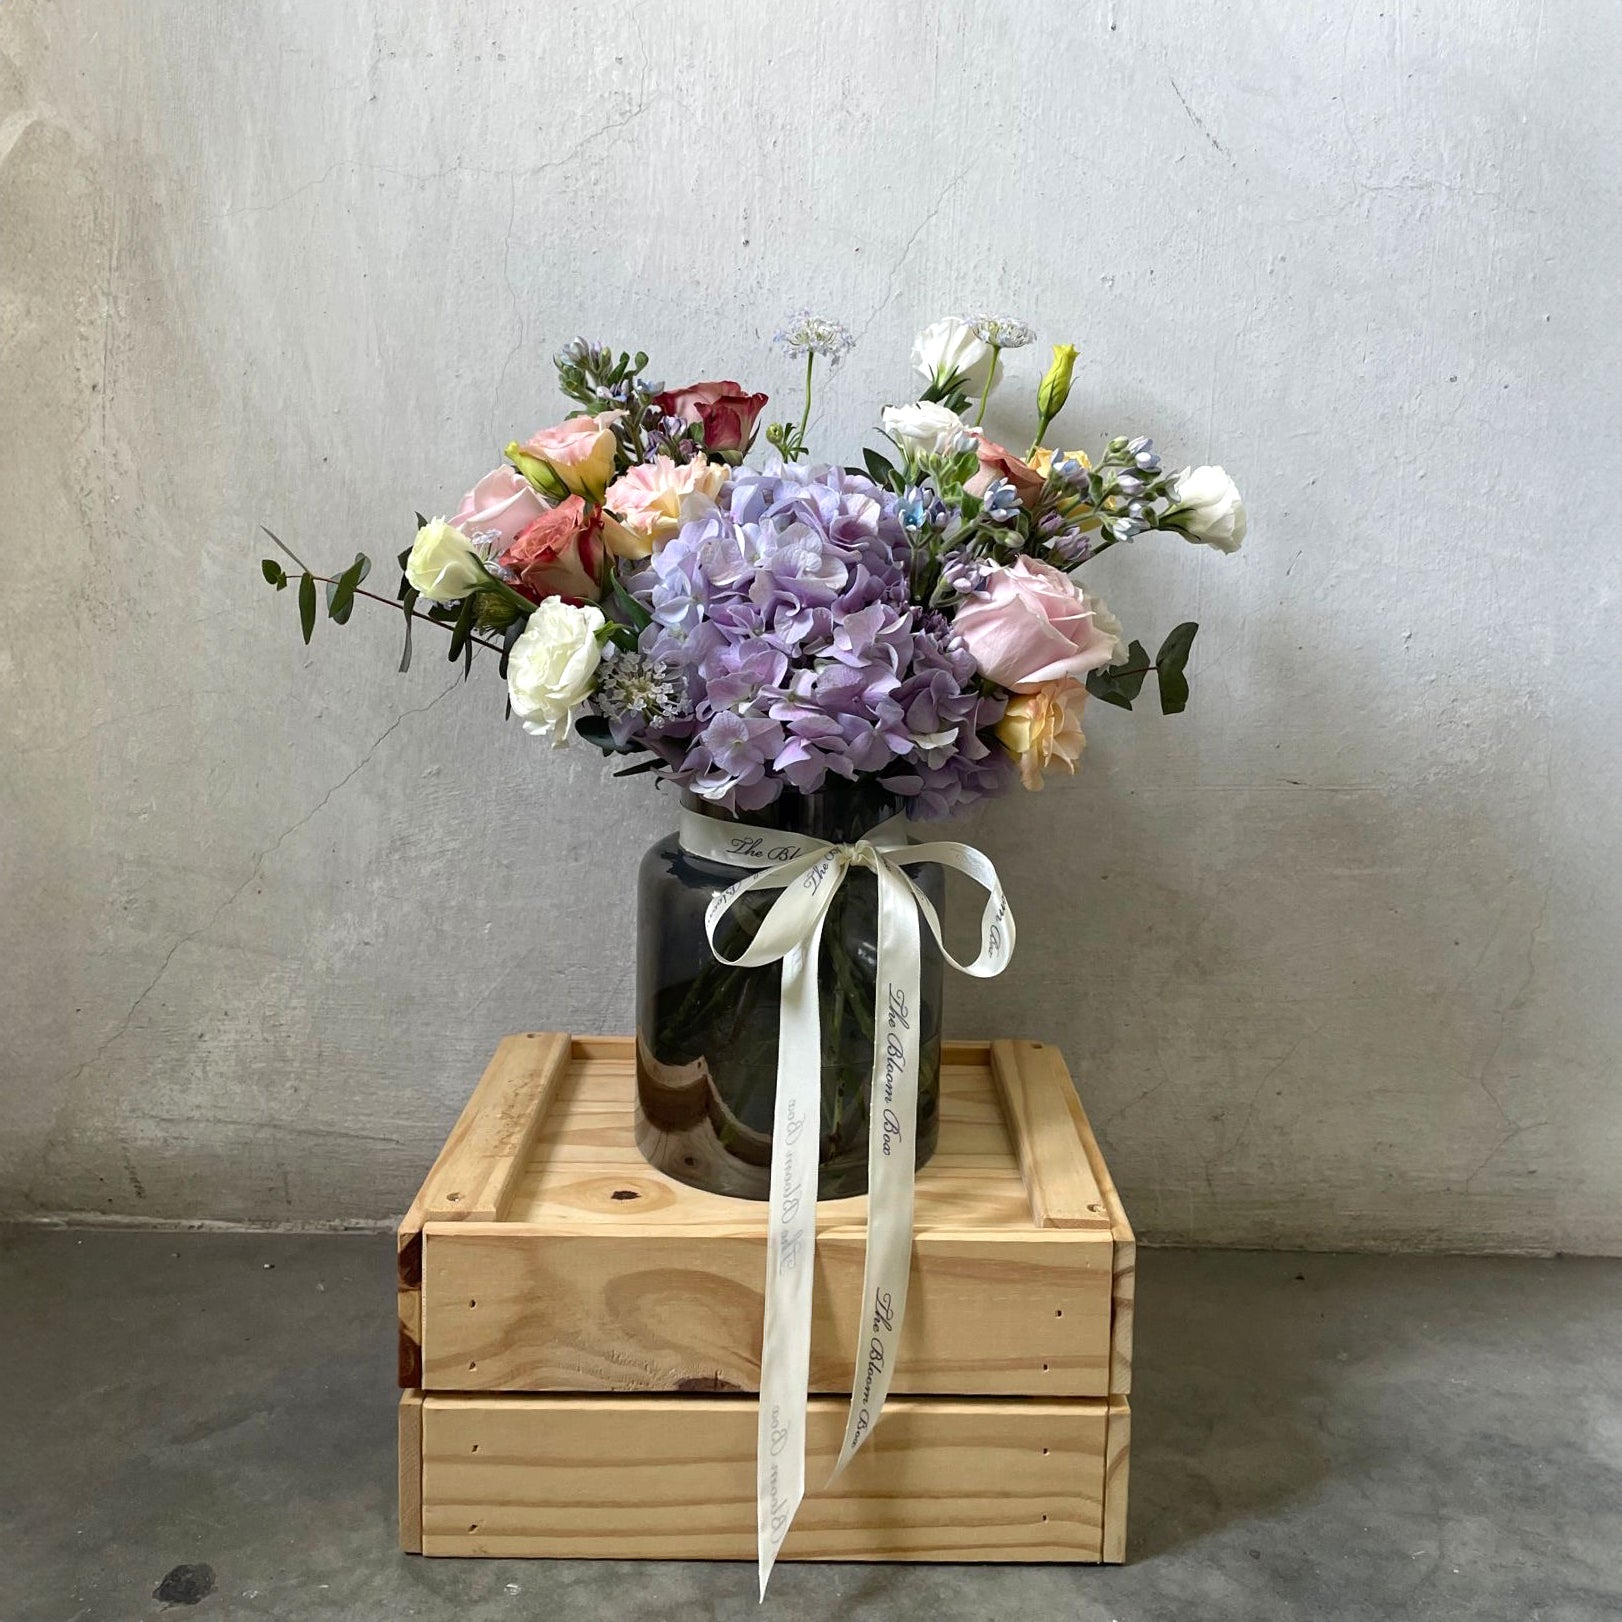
[[916, 621]]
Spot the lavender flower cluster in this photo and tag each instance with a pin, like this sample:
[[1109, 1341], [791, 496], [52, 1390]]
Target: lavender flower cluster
[[788, 611]]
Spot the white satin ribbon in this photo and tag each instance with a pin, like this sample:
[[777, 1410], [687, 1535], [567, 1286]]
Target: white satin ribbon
[[809, 873]]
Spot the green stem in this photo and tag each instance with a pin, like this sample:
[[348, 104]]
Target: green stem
[[991, 374], [805, 416], [327, 580], [1036, 444]]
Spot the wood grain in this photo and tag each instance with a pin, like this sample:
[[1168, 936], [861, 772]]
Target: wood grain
[[641, 1307], [410, 1460], [1117, 1457], [1126, 1255], [674, 1478], [475, 1172], [1036, 1093]]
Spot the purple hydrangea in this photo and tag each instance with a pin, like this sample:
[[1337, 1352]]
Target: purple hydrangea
[[788, 611]]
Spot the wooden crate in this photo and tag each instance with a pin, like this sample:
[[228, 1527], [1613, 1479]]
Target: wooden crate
[[569, 1313]]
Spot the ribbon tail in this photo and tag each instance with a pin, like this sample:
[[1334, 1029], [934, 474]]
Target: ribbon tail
[[785, 1362], [891, 1158]]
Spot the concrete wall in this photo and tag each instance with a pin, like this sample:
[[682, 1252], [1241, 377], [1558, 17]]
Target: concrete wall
[[1334, 954]]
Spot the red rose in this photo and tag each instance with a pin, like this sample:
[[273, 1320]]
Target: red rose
[[725, 411], [559, 553]]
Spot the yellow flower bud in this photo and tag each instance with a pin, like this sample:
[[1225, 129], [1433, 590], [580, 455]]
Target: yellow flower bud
[[538, 471]]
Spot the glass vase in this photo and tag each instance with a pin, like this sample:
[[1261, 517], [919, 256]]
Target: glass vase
[[706, 1033]]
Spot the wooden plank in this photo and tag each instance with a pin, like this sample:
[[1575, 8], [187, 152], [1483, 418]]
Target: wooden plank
[[674, 1478], [485, 1152], [1037, 1095], [641, 1306], [1126, 1256], [410, 1459], [1117, 1457], [475, 1172]]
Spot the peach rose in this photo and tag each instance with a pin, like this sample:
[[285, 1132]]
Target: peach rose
[[580, 452], [1043, 728], [1032, 627], [998, 463], [501, 503], [726, 413], [559, 554], [645, 506]]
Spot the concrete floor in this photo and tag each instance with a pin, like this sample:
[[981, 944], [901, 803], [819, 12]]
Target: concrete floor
[[1325, 1437]]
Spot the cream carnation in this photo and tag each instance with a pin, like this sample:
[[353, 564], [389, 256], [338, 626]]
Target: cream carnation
[[646, 505]]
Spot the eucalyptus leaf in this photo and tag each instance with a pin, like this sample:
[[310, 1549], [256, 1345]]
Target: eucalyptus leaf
[[274, 573], [1173, 655], [641, 766], [408, 601], [462, 630], [306, 606]]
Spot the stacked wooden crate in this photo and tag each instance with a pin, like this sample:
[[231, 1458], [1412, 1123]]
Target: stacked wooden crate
[[580, 1334]]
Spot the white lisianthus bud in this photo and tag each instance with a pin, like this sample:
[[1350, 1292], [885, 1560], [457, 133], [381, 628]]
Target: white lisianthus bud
[[1206, 506], [1109, 625], [924, 429], [952, 348], [443, 565], [552, 668]]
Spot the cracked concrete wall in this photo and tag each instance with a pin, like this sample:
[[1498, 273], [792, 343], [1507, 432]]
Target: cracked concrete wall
[[1333, 955]]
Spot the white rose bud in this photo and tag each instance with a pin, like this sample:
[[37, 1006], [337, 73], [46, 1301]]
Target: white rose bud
[[924, 429], [1205, 503], [551, 669], [952, 347], [443, 565]]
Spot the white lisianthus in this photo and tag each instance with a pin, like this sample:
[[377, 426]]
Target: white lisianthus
[[443, 565], [1109, 625], [552, 666], [1206, 504], [924, 429], [952, 347]]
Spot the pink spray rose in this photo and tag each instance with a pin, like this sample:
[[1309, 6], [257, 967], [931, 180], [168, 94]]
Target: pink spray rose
[[998, 463], [1032, 627], [580, 452], [559, 554], [501, 503], [725, 411]]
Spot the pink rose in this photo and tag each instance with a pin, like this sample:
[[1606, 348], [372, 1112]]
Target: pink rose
[[1032, 627], [998, 463], [501, 503], [559, 554], [580, 452], [725, 411]]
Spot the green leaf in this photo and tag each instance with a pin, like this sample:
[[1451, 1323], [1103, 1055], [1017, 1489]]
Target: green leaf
[[594, 730], [462, 631], [879, 468], [508, 637], [1173, 653], [641, 766], [341, 592], [408, 600], [1120, 684], [306, 606], [274, 573], [422, 523], [639, 617], [1171, 659]]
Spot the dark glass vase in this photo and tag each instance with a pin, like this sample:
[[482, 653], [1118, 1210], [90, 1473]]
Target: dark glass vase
[[706, 1033]]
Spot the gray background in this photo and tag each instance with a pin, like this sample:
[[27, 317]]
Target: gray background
[[1332, 956]]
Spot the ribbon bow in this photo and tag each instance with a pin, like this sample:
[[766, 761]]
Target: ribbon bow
[[809, 873]]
